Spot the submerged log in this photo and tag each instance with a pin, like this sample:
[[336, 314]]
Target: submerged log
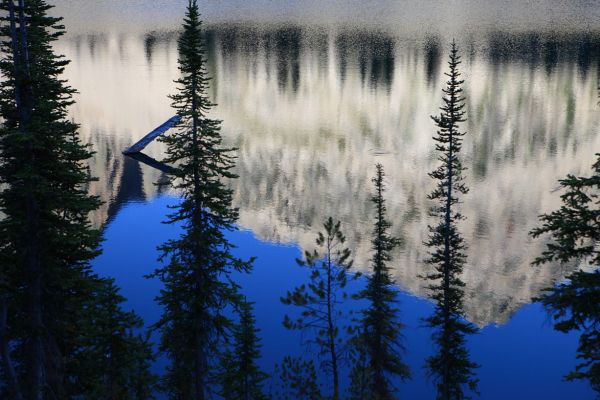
[[143, 158], [145, 141]]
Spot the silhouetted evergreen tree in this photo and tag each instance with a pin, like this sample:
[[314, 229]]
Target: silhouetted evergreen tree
[[242, 378], [575, 304], [298, 380], [197, 284], [380, 330], [360, 373], [450, 367], [48, 311], [320, 300], [9, 383], [116, 358], [48, 238]]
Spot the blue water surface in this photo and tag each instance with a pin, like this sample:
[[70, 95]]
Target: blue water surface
[[523, 359]]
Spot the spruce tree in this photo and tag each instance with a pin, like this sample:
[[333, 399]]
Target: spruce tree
[[574, 230], [298, 380], [242, 378], [115, 357], [9, 382], [450, 367], [197, 285], [47, 287], [380, 330], [48, 238], [360, 373], [321, 299]]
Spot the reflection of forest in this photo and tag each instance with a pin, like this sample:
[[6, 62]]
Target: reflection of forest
[[313, 110]]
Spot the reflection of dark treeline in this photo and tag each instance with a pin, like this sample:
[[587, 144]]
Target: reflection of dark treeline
[[374, 54], [281, 46], [153, 39], [92, 42], [63, 333], [433, 56], [545, 50], [284, 47]]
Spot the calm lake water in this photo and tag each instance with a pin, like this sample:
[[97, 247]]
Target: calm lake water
[[313, 97]]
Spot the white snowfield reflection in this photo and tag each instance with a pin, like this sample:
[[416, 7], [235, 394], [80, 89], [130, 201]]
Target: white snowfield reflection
[[313, 110]]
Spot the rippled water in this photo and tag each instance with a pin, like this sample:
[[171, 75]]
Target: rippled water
[[314, 98], [312, 111]]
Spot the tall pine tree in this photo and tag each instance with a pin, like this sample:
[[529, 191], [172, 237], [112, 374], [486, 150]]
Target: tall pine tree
[[115, 358], [321, 300], [380, 330], [574, 230], [49, 241], [297, 380], [241, 377], [47, 287], [450, 367], [197, 275]]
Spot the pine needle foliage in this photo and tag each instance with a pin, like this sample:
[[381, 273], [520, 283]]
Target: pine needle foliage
[[380, 329], [450, 368], [574, 231], [321, 300], [116, 358], [242, 378], [360, 373], [197, 276], [298, 380], [47, 239]]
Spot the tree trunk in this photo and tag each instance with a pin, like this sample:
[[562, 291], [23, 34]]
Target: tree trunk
[[34, 364], [33, 270], [446, 283], [330, 327], [200, 362], [55, 372], [199, 334], [9, 371]]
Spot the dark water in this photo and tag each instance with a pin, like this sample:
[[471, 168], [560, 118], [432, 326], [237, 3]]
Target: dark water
[[312, 107]]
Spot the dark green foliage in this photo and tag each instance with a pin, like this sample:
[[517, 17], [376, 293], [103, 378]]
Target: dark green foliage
[[450, 367], [320, 300], [380, 331], [575, 233], [58, 321], [360, 374], [298, 380], [116, 358], [197, 284], [241, 378], [46, 235]]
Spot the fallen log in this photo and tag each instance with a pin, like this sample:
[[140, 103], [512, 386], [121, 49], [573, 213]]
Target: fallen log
[[145, 141]]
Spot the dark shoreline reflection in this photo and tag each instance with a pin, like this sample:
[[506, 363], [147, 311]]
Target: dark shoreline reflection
[[312, 110]]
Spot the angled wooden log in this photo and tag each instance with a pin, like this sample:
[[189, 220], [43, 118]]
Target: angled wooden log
[[143, 158], [143, 142]]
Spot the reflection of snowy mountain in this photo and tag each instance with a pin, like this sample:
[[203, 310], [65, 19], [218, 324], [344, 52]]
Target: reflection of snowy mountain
[[312, 112]]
